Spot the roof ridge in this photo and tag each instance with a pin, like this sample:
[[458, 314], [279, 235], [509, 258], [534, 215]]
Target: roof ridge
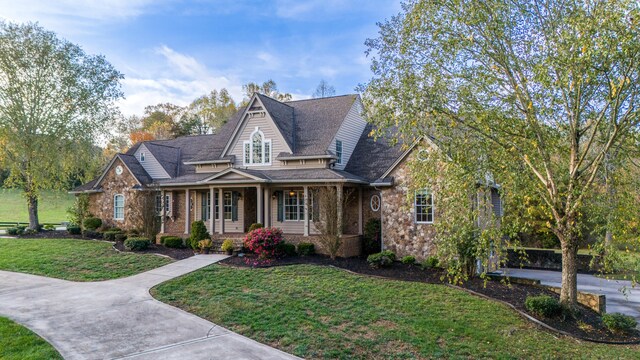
[[152, 143], [276, 100], [319, 99]]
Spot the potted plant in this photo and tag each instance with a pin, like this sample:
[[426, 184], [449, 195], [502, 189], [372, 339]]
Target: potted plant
[[227, 246], [205, 245]]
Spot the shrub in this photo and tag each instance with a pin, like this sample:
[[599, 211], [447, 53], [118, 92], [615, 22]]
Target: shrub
[[110, 235], [121, 236], [49, 227], [14, 231], [92, 223], [255, 226], [74, 230], [172, 242], [91, 234], [306, 249], [29, 231], [264, 242], [543, 305], [371, 237], [205, 244], [619, 323], [286, 249], [381, 259], [227, 245], [137, 243], [409, 260], [198, 232], [430, 263], [134, 232], [164, 237]]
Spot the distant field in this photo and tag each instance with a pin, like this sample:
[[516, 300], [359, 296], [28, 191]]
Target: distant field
[[52, 207]]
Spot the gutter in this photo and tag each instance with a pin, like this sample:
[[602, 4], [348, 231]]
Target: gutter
[[222, 161], [305, 157], [306, 181]]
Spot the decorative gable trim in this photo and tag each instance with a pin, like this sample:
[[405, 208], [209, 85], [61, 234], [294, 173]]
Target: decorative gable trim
[[234, 171], [249, 114]]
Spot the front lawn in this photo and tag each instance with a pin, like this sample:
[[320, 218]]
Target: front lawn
[[77, 260], [19, 343], [322, 312], [52, 206]]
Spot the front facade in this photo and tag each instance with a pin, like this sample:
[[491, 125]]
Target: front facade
[[264, 166]]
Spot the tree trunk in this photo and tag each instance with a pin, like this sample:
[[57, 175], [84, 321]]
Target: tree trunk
[[32, 202], [569, 286]]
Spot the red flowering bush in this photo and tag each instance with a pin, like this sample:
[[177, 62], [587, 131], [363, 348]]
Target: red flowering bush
[[264, 242]]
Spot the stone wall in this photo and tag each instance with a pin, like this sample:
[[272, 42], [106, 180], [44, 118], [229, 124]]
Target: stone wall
[[367, 212], [101, 204], [400, 232]]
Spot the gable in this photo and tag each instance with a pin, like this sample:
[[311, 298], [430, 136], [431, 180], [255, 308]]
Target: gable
[[110, 176], [257, 117], [151, 164], [349, 134]]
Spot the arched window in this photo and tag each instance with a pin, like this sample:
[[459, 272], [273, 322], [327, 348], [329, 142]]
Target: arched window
[[118, 207], [257, 150]]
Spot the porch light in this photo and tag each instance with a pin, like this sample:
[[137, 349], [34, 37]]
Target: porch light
[[292, 193]]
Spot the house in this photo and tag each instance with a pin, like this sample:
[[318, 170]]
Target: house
[[262, 167]]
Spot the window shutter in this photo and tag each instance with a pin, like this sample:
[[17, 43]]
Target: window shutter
[[280, 206], [234, 206]]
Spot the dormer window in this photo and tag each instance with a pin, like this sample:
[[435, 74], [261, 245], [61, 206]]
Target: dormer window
[[257, 150], [142, 156]]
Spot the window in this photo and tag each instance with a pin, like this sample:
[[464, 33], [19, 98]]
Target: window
[[424, 206], [375, 202], [228, 206], [142, 155], [339, 151], [257, 150], [205, 207], [294, 205], [118, 207], [217, 211], [167, 204]]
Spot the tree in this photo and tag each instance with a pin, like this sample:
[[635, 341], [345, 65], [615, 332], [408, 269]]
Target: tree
[[208, 113], [268, 88], [328, 220], [324, 90], [54, 101], [162, 121], [535, 93]]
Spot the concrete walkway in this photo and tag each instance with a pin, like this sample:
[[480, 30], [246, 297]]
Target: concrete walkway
[[612, 289], [118, 319]]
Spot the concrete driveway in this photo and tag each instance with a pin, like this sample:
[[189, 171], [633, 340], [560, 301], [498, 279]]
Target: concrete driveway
[[118, 319], [627, 302]]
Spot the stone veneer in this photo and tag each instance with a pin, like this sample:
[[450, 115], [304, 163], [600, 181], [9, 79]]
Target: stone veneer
[[400, 233], [101, 203]]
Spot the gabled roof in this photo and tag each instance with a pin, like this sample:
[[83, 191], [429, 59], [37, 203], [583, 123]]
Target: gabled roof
[[282, 115], [130, 163], [373, 157], [168, 156]]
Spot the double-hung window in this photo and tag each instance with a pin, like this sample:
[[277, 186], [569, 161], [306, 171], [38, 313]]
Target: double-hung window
[[228, 206], [205, 207], [339, 151], [424, 206], [118, 207], [294, 205], [167, 204], [257, 150]]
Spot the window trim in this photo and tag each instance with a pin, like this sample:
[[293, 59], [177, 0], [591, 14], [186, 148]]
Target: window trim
[[299, 205], [415, 207], [115, 208], [167, 204], [379, 202], [143, 156], [339, 153], [266, 160]]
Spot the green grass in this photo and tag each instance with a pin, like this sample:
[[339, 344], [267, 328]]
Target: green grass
[[77, 260], [52, 207], [321, 312], [19, 343]]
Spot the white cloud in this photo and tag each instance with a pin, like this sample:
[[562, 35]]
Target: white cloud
[[177, 78]]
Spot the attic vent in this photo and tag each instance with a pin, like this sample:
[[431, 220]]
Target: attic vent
[[255, 108], [256, 114]]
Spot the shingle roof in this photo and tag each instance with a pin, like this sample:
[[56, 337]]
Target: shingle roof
[[86, 187], [174, 152], [136, 169], [282, 115], [213, 149], [372, 157]]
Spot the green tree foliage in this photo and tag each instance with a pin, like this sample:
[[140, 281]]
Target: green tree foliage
[[208, 113], [55, 100], [534, 93]]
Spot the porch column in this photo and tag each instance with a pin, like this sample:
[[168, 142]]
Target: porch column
[[306, 210], [340, 219], [187, 211], [212, 210], [221, 203], [259, 198], [163, 211], [267, 206], [359, 210]]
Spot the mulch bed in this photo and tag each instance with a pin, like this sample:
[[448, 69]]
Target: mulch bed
[[177, 254], [585, 324], [52, 234]]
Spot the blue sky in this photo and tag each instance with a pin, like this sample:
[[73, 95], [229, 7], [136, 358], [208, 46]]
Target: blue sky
[[175, 51]]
